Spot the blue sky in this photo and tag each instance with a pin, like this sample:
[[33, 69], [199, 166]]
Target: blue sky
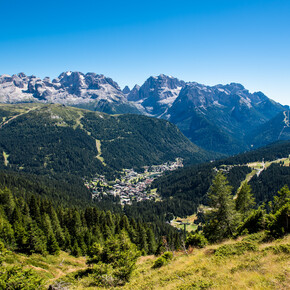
[[206, 41]]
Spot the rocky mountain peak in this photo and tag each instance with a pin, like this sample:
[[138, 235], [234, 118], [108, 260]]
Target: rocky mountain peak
[[126, 90], [157, 94]]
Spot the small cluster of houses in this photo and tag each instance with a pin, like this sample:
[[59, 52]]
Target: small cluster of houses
[[132, 186]]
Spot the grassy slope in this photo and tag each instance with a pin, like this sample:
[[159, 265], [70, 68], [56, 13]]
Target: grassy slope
[[199, 269], [202, 269]]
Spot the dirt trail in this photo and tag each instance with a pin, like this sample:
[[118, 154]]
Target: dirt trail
[[14, 117]]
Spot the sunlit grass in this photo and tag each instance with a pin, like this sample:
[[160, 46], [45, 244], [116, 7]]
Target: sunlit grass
[[261, 268]]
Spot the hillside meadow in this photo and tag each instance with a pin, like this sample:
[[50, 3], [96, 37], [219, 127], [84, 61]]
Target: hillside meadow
[[234, 264]]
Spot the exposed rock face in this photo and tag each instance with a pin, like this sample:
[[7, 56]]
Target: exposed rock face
[[70, 88], [157, 94]]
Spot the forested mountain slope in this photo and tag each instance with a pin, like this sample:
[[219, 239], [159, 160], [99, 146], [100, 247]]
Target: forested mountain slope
[[54, 139], [192, 183]]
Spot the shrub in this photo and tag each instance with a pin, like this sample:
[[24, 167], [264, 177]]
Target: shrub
[[159, 262], [196, 240], [163, 260], [283, 248], [17, 278], [167, 256], [113, 264], [255, 238], [235, 249]]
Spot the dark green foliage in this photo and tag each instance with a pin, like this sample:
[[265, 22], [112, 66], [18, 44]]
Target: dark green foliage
[[151, 241], [6, 230], [254, 223], [270, 152], [64, 190], [62, 140], [117, 261], [38, 226], [281, 199], [163, 260], [245, 200], [197, 240], [222, 219], [18, 278], [283, 248], [237, 174], [36, 241], [266, 185], [279, 223], [76, 250], [190, 184], [279, 218], [159, 262], [235, 249], [52, 245]]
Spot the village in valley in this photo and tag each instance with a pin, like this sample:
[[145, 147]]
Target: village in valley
[[132, 186]]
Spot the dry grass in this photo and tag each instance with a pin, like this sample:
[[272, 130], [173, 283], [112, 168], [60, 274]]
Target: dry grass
[[200, 269], [203, 270]]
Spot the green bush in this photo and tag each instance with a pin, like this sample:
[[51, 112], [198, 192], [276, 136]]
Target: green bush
[[196, 240], [163, 260], [114, 263], [159, 262], [17, 278], [103, 275], [235, 249], [283, 248], [167, 256], [255, 238]]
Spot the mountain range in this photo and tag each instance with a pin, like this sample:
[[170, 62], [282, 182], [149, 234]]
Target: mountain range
[[222, 118]]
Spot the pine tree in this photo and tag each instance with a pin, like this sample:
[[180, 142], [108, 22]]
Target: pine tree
[[21, 236], [142, 239], [121, 255], [36, 242], [6, 231], [34, 209], [151, 241], [76, 250], [280, 199], [222, 219], [245, 200], [52, 245]]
